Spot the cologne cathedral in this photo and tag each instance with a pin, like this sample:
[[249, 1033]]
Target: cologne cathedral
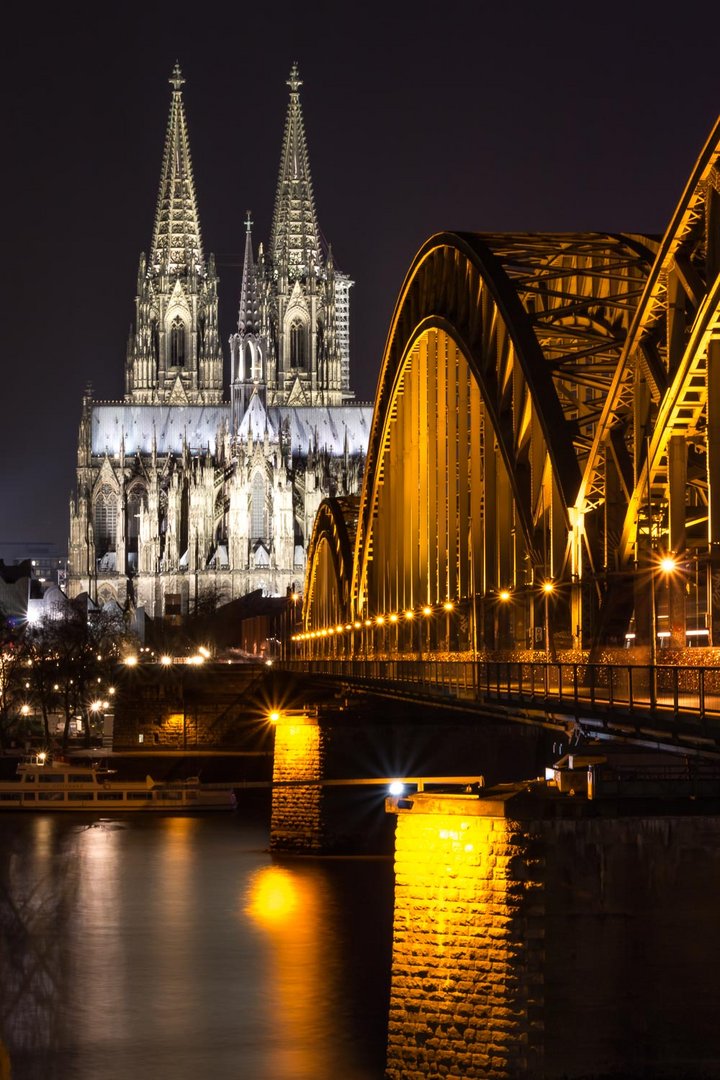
[[182, 494]]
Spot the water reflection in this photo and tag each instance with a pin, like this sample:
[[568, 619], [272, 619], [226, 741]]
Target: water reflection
[[291, 909], [152, 947]]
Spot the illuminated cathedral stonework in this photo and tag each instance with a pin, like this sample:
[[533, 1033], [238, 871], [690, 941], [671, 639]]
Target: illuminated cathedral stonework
[[181, 496]]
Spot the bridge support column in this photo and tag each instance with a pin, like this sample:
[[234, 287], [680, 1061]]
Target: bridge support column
[[468, 952], [297, 820], [538, 935]]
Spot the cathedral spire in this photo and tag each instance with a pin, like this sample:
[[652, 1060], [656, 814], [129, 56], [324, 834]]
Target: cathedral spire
[[177, 243], [247, 316], [295, 238]]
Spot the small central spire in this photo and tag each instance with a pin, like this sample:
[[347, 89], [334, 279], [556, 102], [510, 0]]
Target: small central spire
[[294, 82], [176, 79], [248, 222]]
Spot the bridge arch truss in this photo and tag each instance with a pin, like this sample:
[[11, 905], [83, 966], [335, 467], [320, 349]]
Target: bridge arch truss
[[547, 423]]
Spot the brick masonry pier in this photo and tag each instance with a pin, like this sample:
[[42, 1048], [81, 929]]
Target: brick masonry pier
[[359, 745], [538, 935]]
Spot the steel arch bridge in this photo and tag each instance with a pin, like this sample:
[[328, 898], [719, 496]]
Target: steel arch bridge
[[546, 430]]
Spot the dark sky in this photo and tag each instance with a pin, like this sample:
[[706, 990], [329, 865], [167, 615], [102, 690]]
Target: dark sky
[[515, 116]]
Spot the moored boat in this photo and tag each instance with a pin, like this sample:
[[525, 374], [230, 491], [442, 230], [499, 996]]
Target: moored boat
[[46, 783]]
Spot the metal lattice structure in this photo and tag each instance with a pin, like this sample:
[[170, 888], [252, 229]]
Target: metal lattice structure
[[527, 382]]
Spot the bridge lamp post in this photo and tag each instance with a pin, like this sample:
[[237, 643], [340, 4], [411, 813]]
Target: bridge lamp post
[[409, 616], [448, 608], [504, 597], [667, 565], [548, 589]]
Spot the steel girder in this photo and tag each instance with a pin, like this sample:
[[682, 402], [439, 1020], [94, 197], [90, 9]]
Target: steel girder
[[541, 320], [330, 554]]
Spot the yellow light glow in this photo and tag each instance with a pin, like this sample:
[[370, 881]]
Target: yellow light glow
[[357, 625], [380, 620], [166, 660], [668, 564], [393, 617], [348, 626], [130, 661], [273, 897], [409, 614], [96, 706], [204, 652], [25, 709], [504, 595], [295, 597], [368, 622], [274, 716], [448, 605], [427, 610], [548, 587], [339, 628]]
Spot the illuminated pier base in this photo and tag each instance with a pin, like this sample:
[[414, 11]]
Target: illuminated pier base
[[537, 935], [296, 821]]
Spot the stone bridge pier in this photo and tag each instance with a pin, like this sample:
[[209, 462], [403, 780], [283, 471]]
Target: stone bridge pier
[[329, 763], [542, 936]]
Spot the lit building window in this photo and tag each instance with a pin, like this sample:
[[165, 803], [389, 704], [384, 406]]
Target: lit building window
[[258, 508], [298, 344], [177, 342], [105, 522]]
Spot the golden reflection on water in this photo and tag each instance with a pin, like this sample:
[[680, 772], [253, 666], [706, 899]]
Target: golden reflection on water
[[289, 906]]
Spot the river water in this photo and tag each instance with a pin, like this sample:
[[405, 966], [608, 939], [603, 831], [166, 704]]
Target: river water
[[145, 948]]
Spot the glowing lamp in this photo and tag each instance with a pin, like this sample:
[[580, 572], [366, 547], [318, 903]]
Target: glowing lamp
[[448, 605], [504, 595], [397, 788], [130, 661], [165, 660], [393, 617], [409, 614], [668, 564], [548, 587], [274, 716], [427, 610]]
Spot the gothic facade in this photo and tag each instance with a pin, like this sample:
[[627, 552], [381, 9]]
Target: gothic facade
[[184, 496]]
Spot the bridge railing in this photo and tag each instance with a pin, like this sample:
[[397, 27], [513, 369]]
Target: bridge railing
[[682, 694]]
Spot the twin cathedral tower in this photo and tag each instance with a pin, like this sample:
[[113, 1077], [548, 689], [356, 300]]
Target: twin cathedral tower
[[182, 495]]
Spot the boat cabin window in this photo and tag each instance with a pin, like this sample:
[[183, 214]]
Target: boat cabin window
[[51, 778], [79, 778], [86, 796]]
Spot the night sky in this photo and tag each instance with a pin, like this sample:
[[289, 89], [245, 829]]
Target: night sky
[[523, 116]]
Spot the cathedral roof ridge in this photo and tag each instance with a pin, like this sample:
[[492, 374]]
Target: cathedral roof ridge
[[177, 240]]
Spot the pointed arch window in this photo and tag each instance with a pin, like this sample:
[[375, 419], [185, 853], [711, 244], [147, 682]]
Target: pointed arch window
[[258, 508], [298, 344], [105, 521], [177, 342]]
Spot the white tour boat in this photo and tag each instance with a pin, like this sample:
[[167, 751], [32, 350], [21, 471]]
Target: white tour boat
[[46, 783]]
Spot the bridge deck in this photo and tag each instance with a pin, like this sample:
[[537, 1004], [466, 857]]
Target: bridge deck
[[669, 705]]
